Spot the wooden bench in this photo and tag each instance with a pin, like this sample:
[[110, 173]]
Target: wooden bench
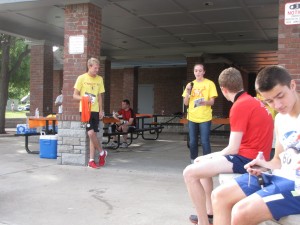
[[170, 120], [164, 124], [26, 135], [152, 130]]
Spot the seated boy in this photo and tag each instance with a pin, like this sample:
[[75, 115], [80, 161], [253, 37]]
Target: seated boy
[[124, 124]]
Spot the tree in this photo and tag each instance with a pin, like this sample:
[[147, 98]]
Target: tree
[[7, 69], [19, 82]]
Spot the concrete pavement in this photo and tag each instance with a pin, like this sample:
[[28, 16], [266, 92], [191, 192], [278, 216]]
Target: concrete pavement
[[142, 186]]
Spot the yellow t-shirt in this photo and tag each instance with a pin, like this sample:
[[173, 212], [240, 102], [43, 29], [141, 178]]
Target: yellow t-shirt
[[90, 86], [203, 90], [271, 110]]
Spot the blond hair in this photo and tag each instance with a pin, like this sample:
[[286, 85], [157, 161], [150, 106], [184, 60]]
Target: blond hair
[[93, 61]]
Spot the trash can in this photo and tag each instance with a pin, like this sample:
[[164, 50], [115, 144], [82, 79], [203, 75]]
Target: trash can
[[48, 146]]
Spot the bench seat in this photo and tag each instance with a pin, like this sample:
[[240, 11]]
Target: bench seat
[[134, 134], [118, 135]]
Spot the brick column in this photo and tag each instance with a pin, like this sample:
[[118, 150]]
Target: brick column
[[41, 78], [80, 19], [130, 86], [289, 44]]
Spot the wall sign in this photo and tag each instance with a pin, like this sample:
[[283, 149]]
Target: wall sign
[[292, 13], [76, 44]]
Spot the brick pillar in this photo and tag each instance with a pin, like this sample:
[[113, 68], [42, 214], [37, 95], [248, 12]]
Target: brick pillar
[[289, 44], [80, 19], [105, 72], [41, 78], [130, 86]]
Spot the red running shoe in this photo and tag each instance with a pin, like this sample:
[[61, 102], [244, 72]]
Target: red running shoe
[[93, 165], [102, 158]]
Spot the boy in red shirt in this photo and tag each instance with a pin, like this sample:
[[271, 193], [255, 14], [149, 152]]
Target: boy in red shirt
[[126, 116]]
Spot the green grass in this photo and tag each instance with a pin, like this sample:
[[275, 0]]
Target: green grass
[[15, 114]]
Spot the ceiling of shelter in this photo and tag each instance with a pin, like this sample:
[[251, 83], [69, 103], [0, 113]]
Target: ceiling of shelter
[[161, 32]]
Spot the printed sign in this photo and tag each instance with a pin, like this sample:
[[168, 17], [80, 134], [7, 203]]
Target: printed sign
[[292, 13], [76, 44]]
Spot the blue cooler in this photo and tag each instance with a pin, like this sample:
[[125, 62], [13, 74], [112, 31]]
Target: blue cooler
[[48, 146]]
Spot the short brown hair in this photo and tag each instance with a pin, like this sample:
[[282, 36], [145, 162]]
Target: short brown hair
[[270, 76], [231, 79]]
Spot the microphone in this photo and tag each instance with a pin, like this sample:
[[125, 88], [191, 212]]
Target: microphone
[[192, 85]]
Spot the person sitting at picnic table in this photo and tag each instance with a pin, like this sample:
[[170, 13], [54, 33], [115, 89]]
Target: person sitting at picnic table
[[126, 118]]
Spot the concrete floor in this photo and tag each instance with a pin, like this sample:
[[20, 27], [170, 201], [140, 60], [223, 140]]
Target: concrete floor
[[142, 186]]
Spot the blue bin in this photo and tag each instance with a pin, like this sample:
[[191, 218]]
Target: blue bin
[[48, 146]]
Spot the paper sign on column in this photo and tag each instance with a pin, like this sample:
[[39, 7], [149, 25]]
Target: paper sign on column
[[76, 44]]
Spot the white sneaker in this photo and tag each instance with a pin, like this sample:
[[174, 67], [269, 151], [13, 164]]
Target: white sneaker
[[112, 145], [124, 145]]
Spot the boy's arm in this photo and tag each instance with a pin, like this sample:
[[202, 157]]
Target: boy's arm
[[76, 95], [130, 121], [234, 144]]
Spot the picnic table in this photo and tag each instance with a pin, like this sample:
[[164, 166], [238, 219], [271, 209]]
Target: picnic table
[[170, 119], [34, 122], [141, 129]]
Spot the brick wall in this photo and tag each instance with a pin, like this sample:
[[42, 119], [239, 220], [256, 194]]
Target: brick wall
[[129, 86], [168, 87], [168, 84], [41, 79], [289, 44], [116, 89]]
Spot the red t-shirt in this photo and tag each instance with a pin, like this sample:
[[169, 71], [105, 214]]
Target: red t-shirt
[[250, 116], [126, 115]]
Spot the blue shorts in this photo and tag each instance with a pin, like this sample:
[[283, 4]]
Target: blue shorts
[[277, 192], [238, 163]]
